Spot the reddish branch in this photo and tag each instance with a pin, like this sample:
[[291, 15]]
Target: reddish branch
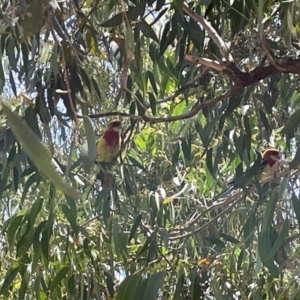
[[243, 79]]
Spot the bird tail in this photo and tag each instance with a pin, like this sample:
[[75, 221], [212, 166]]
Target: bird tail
[[225, 192]]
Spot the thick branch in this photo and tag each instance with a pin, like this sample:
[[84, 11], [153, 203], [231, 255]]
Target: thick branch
[[286, 65], [243, 79], [205, 62]]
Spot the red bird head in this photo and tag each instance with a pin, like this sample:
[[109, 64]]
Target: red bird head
[[111, 133], [114, 125], [271, 156]]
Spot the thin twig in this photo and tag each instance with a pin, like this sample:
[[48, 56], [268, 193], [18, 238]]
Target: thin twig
[[195, 109], [183, 88]]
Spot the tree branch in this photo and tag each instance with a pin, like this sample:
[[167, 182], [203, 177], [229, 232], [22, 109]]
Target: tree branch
[[211, 32], [213, 64], [195, 109], [262, 71]]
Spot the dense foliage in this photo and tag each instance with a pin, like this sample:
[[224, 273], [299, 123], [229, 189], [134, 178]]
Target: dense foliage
[[202, 88]]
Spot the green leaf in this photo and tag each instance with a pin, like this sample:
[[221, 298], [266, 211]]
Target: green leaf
[[45, 244], [264, 249], [15, 178], [8, 279], [296, 160], [175, 155], [284, 233], [72, 287], [179, 285], [270, 208], [36, 207], [91, 138], [72, 206], [292, 122], [24, 283], [209, 163], [296, 206], [146, 244], [165, 69], [59, 277], [240, 259], [215, 241], [186, 149], [249, 230], [116, 236], [2, 78], [32, 121], [264, 119], [152, 81], [229, 238], [14, 225], [71, 216], [135, 160], [155, 283], [152, 101], [148, 31], [134, 227], [37, 286], [37, 151], [12, 83], [127, 287], [153, 51], [140, 143], [132, 14], [114, 21], [30, 181], [130, 187]]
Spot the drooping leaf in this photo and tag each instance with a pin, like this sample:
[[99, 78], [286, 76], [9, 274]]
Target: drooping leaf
[[61, 274], [37, 151], [292, 122], [134, 227], [148, 31], [127, 287], [8, 279], [154, 283]]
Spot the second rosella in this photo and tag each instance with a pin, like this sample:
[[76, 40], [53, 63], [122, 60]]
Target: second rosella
[[269, 158]]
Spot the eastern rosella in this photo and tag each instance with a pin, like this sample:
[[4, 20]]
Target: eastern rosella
[[269, 158], [108, 146]]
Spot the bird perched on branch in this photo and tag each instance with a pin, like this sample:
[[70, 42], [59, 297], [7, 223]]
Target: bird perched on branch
[[269, 158], [108, 147]]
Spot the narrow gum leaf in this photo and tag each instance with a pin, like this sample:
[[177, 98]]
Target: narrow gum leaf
[[37, 151]]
